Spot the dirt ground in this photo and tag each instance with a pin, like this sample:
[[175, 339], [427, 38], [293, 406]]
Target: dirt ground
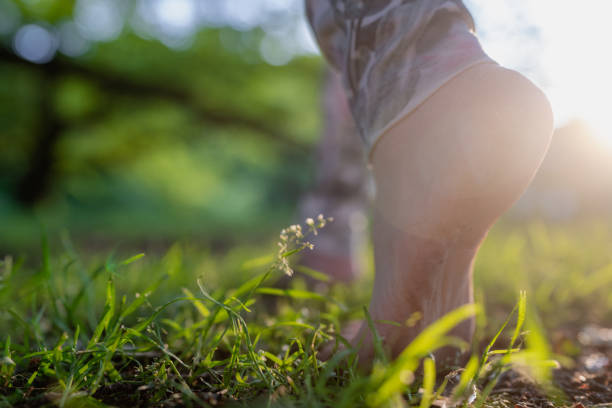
[[587, 384]]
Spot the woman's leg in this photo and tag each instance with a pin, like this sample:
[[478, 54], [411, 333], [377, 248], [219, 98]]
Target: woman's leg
[[444, 175]]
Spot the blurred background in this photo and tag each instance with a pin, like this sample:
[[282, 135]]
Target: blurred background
[[150, 121], [155, 120]]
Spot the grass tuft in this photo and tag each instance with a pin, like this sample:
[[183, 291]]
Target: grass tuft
[[91, 331]]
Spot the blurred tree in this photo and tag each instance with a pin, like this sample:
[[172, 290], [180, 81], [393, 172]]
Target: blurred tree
[[98, 116]]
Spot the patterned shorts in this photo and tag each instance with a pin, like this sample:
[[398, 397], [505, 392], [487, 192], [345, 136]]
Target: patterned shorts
[[393, 54]]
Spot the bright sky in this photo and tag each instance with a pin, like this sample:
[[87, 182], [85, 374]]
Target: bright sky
[[562, 45]]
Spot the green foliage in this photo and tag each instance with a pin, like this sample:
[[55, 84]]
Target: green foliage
[[74, 329], [205, 141], [46, 10], [563, 267]]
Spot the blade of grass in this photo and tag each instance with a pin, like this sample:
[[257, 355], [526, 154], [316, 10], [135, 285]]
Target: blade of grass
[[429, 382], [379, 352], [430, 339]]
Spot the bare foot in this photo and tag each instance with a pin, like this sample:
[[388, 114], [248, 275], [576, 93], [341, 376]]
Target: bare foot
[[444, 174]]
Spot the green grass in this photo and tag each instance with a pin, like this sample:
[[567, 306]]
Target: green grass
[[192, 328]]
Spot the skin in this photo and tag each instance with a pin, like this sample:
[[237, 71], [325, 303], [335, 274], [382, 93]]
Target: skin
[[444, 174]]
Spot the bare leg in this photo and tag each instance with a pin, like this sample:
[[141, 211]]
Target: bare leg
[[444, 174]]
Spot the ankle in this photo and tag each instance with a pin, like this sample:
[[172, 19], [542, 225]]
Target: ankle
[[426, 277]]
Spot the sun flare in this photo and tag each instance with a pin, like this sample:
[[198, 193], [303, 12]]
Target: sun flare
[[562, 47]]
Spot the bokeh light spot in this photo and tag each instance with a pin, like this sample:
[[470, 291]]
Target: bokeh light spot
[[71, 41], [177, 16], [243, 14], [99, 20], [274, 52], [35, 43]]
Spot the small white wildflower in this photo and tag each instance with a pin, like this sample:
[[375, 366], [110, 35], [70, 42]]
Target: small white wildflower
[[292, 240]]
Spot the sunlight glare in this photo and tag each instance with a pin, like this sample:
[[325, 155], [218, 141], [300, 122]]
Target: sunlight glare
[[562, 47]]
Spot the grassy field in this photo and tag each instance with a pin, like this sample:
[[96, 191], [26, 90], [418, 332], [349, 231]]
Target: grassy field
[[196, 328]]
